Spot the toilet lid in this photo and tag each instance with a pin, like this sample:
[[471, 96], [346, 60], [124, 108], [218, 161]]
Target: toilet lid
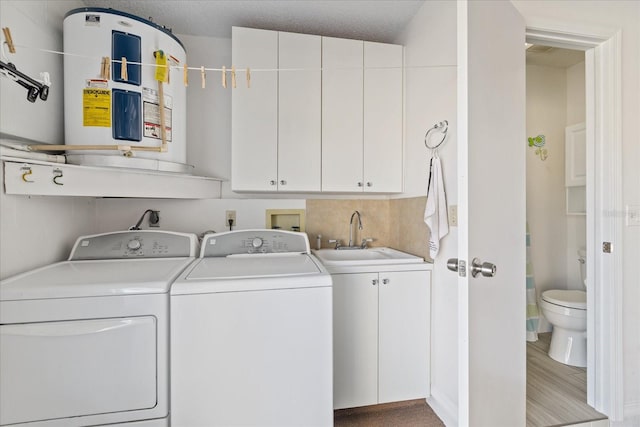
[[571, 299]]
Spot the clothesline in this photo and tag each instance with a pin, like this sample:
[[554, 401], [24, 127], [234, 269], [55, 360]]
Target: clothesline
[[204, 68]]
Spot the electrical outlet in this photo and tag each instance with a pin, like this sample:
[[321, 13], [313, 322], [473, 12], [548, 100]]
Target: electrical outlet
[[230, 215], [453, 215], [154, 219]]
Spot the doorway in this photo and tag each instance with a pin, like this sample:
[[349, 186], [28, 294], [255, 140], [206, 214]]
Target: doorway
[[556, 230], [603, 194]]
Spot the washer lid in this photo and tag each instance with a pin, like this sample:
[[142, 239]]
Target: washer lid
[[76, 279], [570, 299], [238, 273]]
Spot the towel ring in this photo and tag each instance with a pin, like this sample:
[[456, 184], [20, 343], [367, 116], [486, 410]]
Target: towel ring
[[438, 126]]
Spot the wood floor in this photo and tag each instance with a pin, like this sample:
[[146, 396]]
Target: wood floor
[[411, 413], [556, 395]]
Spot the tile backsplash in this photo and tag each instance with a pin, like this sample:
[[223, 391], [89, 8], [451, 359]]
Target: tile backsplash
[[396, 223]]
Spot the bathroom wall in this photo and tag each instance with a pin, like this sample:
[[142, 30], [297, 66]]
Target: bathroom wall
[[546, 213]]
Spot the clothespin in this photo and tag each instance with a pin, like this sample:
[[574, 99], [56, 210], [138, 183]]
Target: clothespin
[[203, 77], [224, 77], [248, 78], [233, 76], [8, 39], [105, 68], [123, 69], [161, 66], [185, 75]]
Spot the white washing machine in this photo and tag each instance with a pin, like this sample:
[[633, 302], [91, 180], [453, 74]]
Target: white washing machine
[[86, 341], [251, 334]]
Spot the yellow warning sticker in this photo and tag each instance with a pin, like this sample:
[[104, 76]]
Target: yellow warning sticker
[[96, 107]]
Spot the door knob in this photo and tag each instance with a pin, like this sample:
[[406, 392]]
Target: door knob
[[452, 264], [485, 268]]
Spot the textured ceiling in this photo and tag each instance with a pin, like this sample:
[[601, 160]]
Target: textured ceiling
[[375, 20]]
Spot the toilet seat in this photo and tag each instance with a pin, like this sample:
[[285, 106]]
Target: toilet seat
[[576, 300]]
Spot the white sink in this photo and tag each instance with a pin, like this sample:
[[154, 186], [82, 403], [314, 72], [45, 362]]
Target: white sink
[[376, 256]]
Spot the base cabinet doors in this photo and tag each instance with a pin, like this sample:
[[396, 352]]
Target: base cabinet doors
[[381, 337], [403, 336]]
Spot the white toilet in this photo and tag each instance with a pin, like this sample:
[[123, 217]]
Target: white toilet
[[566, 310]]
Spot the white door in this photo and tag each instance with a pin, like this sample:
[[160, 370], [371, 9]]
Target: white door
[[254, 111], [299, 105], [342, 109], [491, 189], [382, 114]]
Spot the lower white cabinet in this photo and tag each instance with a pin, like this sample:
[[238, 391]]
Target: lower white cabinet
[[380, 337]]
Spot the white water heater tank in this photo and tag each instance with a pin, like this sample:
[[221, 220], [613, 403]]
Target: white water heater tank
[[104, 106]]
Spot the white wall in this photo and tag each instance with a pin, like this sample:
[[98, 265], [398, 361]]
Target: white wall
[[430, 97], [625, 16], [35, 231], [546, 115]]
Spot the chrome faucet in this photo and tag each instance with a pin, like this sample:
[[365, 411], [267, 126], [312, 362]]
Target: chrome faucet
[[351, 226]]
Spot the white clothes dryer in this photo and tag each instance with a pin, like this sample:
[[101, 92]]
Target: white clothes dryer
[[251, 334], [86, 341]]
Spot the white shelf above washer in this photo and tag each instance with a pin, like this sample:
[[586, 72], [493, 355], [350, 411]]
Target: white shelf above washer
[[94, 181]]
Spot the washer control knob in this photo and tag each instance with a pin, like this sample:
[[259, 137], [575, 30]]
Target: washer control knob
[[257, 242], [134, 244]]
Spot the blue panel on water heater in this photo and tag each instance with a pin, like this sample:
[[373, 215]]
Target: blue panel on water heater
[[127, 115], [124, 45]]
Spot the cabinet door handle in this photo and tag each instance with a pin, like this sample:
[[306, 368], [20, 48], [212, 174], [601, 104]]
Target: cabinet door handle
[[272, 182], [369, 184], [360, 184], [283, 182], [385, 281], [374, 282]]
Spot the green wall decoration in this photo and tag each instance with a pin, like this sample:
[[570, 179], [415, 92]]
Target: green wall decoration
[[538, 142]]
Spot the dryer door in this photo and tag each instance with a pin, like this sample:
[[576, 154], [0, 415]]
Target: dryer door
[[53, 370]]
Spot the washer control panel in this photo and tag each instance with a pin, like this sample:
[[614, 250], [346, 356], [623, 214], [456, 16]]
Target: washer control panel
[[135, 244], [254, 242]]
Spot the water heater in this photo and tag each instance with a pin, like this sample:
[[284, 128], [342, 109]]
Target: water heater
[[111, 94]]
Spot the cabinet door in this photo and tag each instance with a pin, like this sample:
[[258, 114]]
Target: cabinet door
[[355, 340], [575, 155], [254, 111], [382, 117], [403, 336], [299, 107], [342, 78]]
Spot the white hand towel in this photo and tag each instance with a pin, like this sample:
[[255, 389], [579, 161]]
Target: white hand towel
[[435, 213]]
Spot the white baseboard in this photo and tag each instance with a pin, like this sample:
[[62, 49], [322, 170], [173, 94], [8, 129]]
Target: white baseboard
[[445, 408]]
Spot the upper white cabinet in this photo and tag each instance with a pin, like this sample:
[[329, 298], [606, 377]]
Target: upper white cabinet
[[361, 116], [276, 122], [382, 118], [254, 112], [342, 114], [327, 118], [299, 104], [576, 169], [575, 155]]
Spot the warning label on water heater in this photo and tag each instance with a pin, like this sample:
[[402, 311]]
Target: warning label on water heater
[[151, 114], [96, 107]]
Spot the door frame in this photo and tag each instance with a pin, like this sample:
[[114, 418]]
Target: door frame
[[603, 76]]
